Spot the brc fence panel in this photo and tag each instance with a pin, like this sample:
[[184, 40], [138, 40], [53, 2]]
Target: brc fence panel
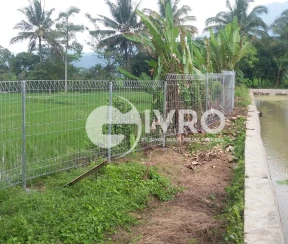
[[229, 90], [186, 95], [137, 100], [51, 126], [10, 132], [199, 93], [56, 124]]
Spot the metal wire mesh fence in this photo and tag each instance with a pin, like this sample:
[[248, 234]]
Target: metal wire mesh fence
[[44, 129], [10, 131]]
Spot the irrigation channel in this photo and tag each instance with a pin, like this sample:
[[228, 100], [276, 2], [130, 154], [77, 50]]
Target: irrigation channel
[[274, 130]]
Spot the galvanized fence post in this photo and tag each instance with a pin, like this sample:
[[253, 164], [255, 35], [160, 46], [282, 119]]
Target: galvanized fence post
[[233, 89], [207, 91], [110, 121], [164, 111], [24, 167], [223, 93]]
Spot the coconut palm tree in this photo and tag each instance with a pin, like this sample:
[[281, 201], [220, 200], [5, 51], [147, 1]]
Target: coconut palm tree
[[279, 46], [181, 15], [123, 21], [250, 22], [280, 25], [36, 28]]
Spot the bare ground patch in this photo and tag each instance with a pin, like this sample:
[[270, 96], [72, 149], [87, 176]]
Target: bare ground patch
[[192, 217]]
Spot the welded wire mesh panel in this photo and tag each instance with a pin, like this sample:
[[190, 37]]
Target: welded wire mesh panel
[[214, 96], [199, 93], [57, 115], [56, 124], [10, 132], [215, 91], [140, 128], [186, 95], [228, 95]]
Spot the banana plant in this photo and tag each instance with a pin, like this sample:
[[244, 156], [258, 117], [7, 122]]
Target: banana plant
[[228, 48], [174, 56]]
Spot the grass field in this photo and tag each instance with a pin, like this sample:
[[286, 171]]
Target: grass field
[[56, 136]]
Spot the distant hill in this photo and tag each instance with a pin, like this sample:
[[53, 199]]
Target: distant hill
[[275, 10], [87, 61]]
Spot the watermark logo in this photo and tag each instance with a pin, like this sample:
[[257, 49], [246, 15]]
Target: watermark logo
[[109, 115]]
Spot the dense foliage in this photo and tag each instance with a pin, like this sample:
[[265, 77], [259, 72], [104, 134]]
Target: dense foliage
[[149, 43]]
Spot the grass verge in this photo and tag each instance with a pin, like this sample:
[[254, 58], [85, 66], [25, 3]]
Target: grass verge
[[234, 212], [84, 213], [242, 95]]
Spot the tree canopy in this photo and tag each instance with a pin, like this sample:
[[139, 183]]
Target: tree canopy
[[146, 44], [250, 22]]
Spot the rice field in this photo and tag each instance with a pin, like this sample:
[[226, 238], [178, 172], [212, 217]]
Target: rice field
[[56, 136], [55, 130]]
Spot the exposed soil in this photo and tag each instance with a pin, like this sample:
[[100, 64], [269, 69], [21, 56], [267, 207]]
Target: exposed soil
[[192, 216]]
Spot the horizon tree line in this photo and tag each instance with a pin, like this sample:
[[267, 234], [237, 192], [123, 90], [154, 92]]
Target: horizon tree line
[[57, 38]]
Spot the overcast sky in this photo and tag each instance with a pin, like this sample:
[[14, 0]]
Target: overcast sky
[[9, 16]]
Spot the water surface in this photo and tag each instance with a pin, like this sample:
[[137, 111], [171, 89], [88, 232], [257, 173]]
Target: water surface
[[274, 130]]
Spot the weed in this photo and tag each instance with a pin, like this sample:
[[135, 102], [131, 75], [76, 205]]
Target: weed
[[212, 197], [84, 213], [192, 241], [234, 211]]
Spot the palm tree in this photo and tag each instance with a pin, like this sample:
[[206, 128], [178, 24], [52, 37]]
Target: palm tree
[[250, 22], [123, 21], [280, 25], [181, 15], [279, 45], [36, 28]]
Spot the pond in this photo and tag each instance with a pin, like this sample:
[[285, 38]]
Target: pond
[[274, 130]]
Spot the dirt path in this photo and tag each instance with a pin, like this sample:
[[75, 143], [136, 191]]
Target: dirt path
[[191, 216]]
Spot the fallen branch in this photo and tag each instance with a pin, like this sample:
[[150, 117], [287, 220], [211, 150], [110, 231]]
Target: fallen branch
[[89, 172]]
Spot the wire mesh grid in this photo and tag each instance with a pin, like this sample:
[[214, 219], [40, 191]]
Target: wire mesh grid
[[54, 137], [196, 94], [10, 132], [56, 122], [144, 97]]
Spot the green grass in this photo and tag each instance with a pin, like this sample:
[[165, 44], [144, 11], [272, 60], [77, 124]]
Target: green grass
[[242, 96], [87, 212], [56, 134], [234, 212], [284, 182]]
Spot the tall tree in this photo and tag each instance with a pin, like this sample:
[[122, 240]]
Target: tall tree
[[172, 56], [68, 32], [280, 25], [36, 28], [123, 21], [6, 59], [181, 15], [250, 22], [279, 46], [23, 63]]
